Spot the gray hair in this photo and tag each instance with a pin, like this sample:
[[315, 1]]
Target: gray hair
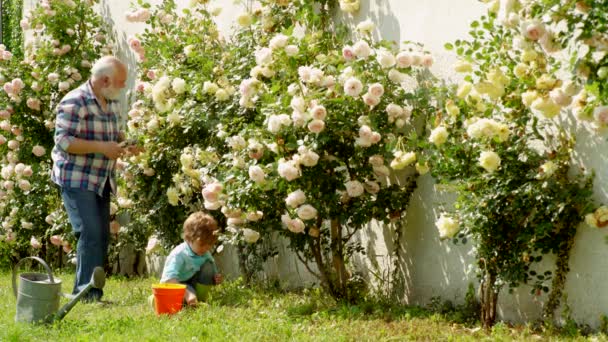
[[106, 66]]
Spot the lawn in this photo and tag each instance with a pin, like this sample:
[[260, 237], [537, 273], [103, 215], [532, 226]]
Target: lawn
[[238, 313]]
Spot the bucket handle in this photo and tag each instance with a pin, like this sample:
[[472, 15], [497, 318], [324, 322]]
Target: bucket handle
[[48, 270]]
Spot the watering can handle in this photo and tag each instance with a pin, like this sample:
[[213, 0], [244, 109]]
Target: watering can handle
[[48, 270]]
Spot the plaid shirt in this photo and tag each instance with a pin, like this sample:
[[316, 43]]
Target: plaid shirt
[[79, 115]]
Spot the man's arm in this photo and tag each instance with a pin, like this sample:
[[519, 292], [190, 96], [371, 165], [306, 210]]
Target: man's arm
[[66, 127], [110, 149]]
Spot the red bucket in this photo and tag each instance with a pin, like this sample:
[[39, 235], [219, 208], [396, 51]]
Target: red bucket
[[168, 298]]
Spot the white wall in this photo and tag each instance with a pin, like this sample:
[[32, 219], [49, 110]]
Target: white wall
[[429, 267]]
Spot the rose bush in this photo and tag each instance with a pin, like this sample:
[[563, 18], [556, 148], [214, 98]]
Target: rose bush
[[499, 144], [302, 148]]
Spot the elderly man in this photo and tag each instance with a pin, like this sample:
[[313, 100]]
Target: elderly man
[[84, 157]]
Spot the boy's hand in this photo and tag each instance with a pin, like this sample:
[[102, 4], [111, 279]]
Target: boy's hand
[[190, 298], [217, 279]]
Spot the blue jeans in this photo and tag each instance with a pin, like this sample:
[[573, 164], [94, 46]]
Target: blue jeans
[[89, 215]]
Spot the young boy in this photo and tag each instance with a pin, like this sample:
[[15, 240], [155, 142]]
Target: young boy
[[191, 263]]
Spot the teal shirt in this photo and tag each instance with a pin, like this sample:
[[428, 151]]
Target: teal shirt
[[182, 263]]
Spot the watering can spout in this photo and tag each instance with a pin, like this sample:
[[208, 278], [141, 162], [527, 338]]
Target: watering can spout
[[98, 281]]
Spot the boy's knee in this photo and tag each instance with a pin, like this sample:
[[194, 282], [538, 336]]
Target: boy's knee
[[207, 273]]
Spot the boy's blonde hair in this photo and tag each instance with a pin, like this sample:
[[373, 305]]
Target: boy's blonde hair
[[200, 226]]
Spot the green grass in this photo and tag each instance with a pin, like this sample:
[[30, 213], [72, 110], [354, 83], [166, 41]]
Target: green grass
[[239, 313]]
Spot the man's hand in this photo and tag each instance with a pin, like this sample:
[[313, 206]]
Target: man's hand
[[218, 279], [112, 150]]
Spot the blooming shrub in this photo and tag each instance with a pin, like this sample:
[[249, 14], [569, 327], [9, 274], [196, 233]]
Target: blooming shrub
[[499, 145], [302, 148], [67, 36]]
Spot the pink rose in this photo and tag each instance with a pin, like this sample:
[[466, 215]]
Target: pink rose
[[376, 89], [319, 112], [427, 61], [33, 104], [347, 53], [371, 100], [8, 88], [316, 126], [67, 248], [56, 240], [38, 151], [600, 114], [4, 114], [35, 243], [114, 227], [404, 59]]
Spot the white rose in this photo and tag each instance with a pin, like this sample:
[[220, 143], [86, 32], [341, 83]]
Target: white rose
[[307, 212], [212, 205], [295, 198], [178, 85], [288, 170], [394, 110], [385, 59], [489, 160], [263, 56], [25, 185], [439, 136], [362, 49], [548, 168], [366, 27], [372, 187], [210, 87], [63, 86], [222, 95], [291, 50], [354, 188], [309, 159], [38, 151], [256, 174], [254, 216], [278, 41], [396, 76], [559, 97], [447, 226], [298, 103], [353, 87], [250, 235]]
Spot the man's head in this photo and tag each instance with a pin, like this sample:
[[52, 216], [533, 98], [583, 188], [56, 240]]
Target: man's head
[[200, 231], [109, 74]]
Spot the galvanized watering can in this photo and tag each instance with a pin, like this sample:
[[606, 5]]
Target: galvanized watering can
[[39, 294]]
